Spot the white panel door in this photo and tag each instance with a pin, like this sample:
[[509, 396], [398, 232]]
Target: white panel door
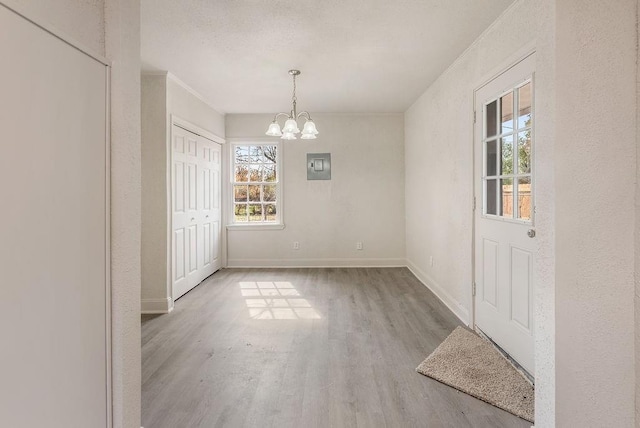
[[196, 225], [53, 243], [504, 217]]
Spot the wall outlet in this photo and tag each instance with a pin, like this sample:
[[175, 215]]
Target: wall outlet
[[431, 261], [358, 245], [296, 245]]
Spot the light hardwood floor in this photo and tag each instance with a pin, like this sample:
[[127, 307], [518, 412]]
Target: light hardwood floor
[[303, 348]]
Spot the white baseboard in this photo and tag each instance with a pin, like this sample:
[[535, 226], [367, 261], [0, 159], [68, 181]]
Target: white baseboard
[[310, 263], [156, 306], [460, 311]]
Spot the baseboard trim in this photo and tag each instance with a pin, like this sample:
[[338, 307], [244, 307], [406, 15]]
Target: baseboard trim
[[460, 311], [156, 306], [314, 263]]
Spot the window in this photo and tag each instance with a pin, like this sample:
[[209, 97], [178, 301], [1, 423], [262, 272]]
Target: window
[[507, 154], [256, 188]]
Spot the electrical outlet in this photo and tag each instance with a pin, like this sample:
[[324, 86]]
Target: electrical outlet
[[431, 261], [296, 245], [358, 245]]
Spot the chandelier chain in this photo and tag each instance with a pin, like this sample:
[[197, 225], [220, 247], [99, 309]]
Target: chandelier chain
[[294, 89]]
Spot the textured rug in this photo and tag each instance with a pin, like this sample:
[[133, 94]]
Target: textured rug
[[472, 365]]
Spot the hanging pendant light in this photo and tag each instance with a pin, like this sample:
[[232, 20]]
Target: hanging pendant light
[[290, 129]]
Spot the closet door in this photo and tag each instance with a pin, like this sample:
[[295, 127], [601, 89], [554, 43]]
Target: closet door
[[196, 210], [54, 318], [211, 212]]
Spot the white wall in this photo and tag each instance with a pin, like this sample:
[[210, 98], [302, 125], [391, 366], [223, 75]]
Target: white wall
[[155, 286], [438, 156], [595, 162], [112, 28], [163, 95], [84, 21], [363, 201]]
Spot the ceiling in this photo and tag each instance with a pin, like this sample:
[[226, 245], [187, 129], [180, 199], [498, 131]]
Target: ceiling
[[360, 56]]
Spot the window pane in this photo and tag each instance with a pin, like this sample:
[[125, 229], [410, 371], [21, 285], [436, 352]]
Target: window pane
[[524, 152], [269, 173], [255, 173], [242, 154], [490, 196], [270, 212], [506, 109], [269, 193], [242, 173], [240, 211], [506, 197], [524, 106], [255, 212], [524, 198], [491, 161], [255, 154], [506, 161], [254, 193], [491, 119], [240, 193], [270, 153]]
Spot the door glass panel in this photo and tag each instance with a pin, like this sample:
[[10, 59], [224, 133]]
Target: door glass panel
[[490, 193], [491, 118], [506, 160], [524, 106], [506, 197], [491, 160], [506, 113], [524, 152], [524, 198]]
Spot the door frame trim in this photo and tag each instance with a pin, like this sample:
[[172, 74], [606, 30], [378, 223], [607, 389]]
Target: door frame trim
[[513, 60], [195, 129]]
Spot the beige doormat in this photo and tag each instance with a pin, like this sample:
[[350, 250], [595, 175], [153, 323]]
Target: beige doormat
[[472, 365]]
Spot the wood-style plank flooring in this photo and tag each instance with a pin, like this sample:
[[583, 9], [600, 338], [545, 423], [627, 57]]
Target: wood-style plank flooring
[[303, 348]]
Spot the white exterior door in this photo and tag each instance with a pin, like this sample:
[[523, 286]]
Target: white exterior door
[[504, 214], [196, 223]]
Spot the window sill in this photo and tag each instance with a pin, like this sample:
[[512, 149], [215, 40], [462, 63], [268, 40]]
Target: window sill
[[253, 227]]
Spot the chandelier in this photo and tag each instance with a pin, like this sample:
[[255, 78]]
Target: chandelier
[[290, 129]]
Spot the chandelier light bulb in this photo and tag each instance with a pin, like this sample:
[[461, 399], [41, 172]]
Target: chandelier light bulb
[[288, 136], [291, 126], [274, 130], [310, 128]]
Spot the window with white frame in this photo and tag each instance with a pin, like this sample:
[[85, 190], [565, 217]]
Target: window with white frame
[[255, 178]]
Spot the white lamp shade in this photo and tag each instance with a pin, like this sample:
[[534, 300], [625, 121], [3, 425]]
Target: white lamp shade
[[310, 128], [308, 136], [288, 136], [274, 130], [290, 126]]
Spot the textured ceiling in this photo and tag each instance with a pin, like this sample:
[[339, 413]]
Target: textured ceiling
[[355, 55]]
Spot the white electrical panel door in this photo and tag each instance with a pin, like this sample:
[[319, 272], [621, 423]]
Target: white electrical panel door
[[196, 231], [54, 240]]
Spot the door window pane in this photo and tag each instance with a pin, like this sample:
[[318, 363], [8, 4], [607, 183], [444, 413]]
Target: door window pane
[[491, 118], [491, 158], [490, 197], [506, 197], [524, 106], [506, 113], [506, 151], [524, 152], [524, 198]]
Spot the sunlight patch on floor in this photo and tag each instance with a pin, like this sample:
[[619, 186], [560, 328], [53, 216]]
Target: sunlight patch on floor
[[276, 300]]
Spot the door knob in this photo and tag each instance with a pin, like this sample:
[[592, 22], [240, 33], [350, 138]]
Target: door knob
[[531, 233], [193, 218]]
